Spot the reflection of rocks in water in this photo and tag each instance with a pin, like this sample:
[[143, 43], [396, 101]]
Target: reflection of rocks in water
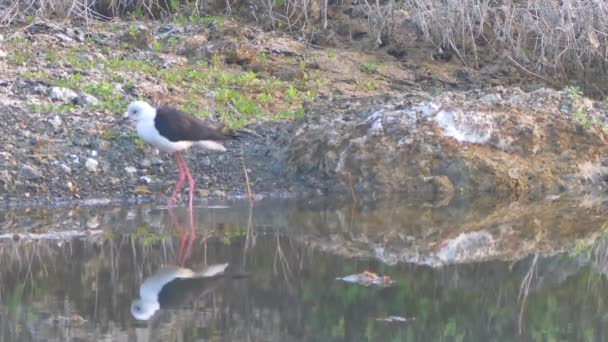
[[391, 230], [172, 286], [447, 235]]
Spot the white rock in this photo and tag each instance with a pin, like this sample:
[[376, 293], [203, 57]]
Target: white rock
[[64, 37], [65, 168], [62, 94], [130, 170], [56, 121], [145, 179], [86, 100], [91, 164]]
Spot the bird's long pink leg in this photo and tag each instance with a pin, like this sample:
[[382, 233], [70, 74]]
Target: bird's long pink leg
[[180, 180], [191, 184]]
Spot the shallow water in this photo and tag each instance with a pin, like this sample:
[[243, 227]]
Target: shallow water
[[471, 271]]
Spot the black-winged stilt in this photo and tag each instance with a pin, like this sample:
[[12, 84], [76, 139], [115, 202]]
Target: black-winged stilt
[[174, 131]]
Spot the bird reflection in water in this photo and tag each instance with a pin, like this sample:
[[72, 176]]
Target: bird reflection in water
[[172, 286]]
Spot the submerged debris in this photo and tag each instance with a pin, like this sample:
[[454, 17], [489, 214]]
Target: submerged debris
[[368, 278], [396, 319], [61, 235]]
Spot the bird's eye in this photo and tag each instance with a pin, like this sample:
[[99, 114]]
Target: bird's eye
[[137, 308]]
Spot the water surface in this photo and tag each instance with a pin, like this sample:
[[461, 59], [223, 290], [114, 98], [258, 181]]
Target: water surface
[[471, 271]]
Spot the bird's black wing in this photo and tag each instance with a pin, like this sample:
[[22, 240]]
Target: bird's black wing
[[176, 125]]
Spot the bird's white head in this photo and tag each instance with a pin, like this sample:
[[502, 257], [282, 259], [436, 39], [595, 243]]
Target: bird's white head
[[143, 309], [139, 111]]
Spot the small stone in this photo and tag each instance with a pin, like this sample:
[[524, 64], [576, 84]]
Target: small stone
[[81, 141], [3, 54], [145, 179], [64, 37], [145, 163], [65, 168], [91, 164], [70, 186], [62, 94], [156, 161], [219, 193], [40, 89], [30, 173], [131, 170], [86, 100], [55, 122], [93, 222], [74, 158], [93, 153], [75, 34], [155, 186]]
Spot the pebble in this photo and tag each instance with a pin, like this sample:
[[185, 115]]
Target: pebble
[[62, 94], [65, 168], [93, 153], [156, 161], [29, 172], [131, 170], [64, 37], [56, 122], [144, 163], [3, 54], [93, 222], [145, 179], [91, 164], [74, 158]]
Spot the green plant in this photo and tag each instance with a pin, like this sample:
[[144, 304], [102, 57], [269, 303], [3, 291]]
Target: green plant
[[108, 134], [367, 86], [136, 139], [137, 13], [133, 31], [157, 46], [18, 57], [73, 81], [369, 67], [35, 75], [291, 93], [578, 110], [51, 56], [265, 98]]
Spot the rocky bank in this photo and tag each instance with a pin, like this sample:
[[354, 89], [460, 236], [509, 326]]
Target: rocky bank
[[366, 129]]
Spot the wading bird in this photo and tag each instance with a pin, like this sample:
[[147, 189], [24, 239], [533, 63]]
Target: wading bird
[[174, 131]]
